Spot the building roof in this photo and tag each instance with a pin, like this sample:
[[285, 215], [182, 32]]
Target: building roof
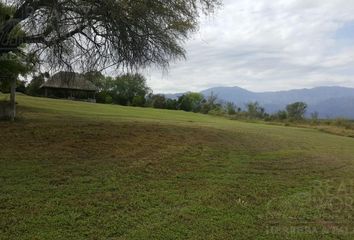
[[69, 80]]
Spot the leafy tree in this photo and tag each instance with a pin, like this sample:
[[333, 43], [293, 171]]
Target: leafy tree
[[210, 103], [254, 110], [138, 101], [281, 115], [104, 86], [21, 86], [11, 66], [104, 97], [37, 81], [12, 63], [231, 108], [190, 102], [184, 103], [101, 33], [315, 118], [296, 111], [96, 78], [217, 111], [158, 101], [171, 104], [126, 87]]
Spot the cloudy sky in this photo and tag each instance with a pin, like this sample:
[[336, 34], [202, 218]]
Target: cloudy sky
[[265, 45]]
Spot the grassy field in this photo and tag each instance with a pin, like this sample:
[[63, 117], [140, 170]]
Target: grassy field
[[71, 170]]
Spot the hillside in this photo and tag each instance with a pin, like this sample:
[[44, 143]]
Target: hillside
[[329, 102], [72, 170]]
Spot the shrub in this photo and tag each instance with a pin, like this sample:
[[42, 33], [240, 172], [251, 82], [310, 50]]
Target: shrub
[[159, 101], [296, 111], [315, 118], [108, 99], [341, 122], [217, 112], [231, 108], [138, 101], [255, 111]]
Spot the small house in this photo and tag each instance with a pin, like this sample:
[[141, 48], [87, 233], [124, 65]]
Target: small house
[[70, 85]]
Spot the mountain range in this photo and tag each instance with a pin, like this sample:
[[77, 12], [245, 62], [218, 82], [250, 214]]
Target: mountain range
[[329, 102]]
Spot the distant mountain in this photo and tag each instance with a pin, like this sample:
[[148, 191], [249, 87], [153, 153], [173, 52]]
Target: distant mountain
[[329, 102], [173, 95], [335, 107]]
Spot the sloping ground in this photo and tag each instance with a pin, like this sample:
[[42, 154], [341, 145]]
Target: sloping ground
[[72, 170]]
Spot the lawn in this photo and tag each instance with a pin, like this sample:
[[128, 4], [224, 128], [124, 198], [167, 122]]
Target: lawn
[[71, 170]]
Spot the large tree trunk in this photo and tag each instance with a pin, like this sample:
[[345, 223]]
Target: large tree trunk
[[13, 100]]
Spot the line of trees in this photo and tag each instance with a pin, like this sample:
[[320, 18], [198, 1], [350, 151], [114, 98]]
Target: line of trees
[[132, 90], [293, 112]]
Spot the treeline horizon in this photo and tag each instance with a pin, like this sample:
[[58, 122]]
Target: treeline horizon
[[131, 89]]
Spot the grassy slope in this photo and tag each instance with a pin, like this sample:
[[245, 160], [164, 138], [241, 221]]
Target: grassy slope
[[72, 170]]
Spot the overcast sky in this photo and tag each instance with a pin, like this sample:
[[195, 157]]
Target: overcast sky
[[265, 45]]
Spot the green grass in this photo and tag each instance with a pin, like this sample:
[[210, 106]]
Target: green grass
[[71, 170]]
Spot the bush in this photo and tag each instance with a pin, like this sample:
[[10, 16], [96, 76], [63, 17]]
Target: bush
[[138, 101], [255, 111], [315, 118], [217, 112], [281, 115], [296, 111], [341, 122], [191, 102], [231, 108], [171, 104], [34, 87], [104, 97], [159, 101], [108, 99]]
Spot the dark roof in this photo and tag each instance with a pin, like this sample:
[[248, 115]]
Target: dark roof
[[69, 80]]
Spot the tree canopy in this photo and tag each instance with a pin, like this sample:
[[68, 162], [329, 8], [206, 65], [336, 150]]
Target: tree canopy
[[296, 111], [101, 33], [255, 110]]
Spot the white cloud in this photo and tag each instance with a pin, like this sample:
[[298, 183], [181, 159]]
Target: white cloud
[[266, 45]]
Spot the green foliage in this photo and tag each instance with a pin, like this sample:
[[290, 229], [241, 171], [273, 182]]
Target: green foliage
[[126, 87], [37, 81], [342, 122], [103, 97], [315, 118], [5, 12], [122, 33], [190, 102], [281, 115], [255, 111], [11, 66], [231, 108], [21, 86], [158, 101], [218, 111], [96, 78], [138, 101], [15, 63], [296, 111], [108, 99], [171, 104], [210, 103]]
